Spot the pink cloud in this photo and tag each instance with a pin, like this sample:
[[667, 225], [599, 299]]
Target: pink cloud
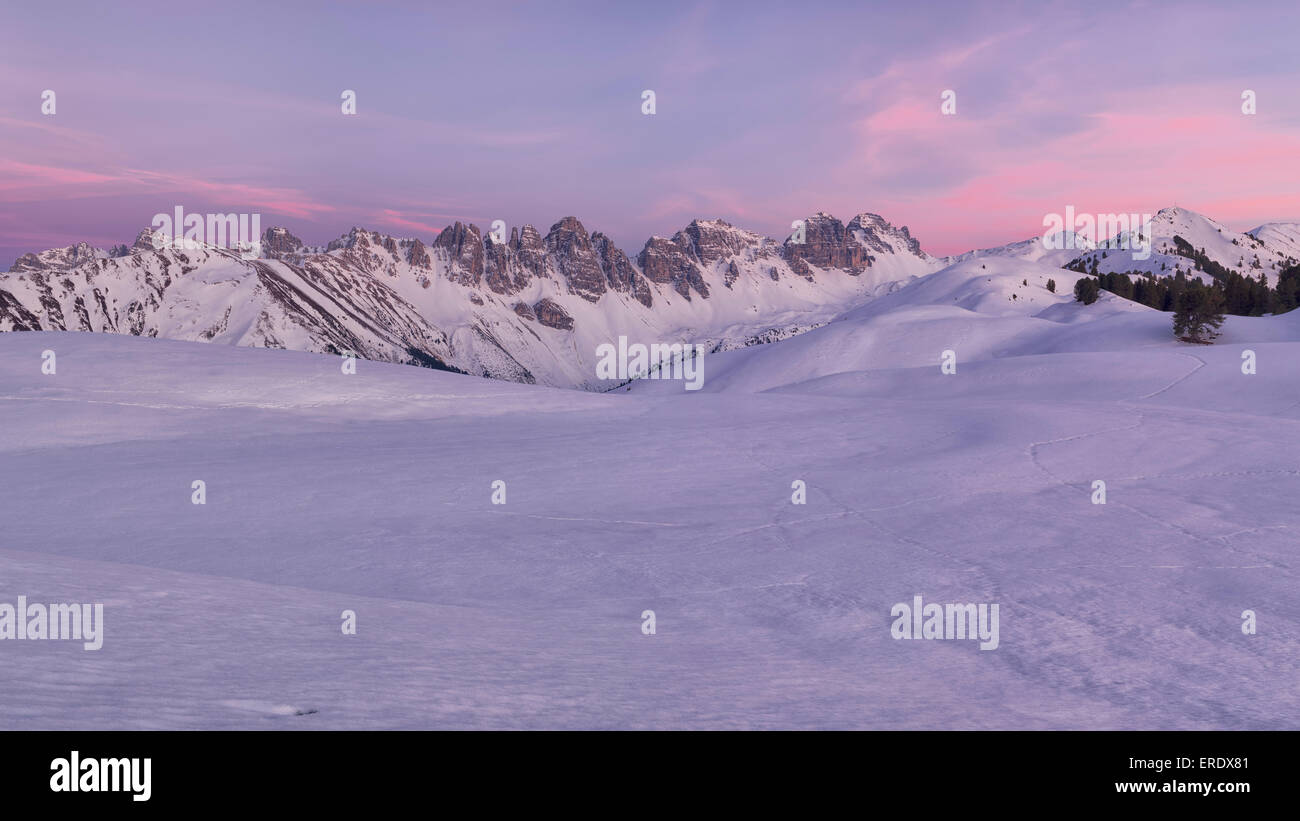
[[285, 201], [390, 217], [24, 181], [1138, 154], [14, 175]]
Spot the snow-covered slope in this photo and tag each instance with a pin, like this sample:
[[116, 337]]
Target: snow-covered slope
[[986, 307], [213, 295], [1282, 241], [530, 308], [372, 492], [1054, 251], [1270, 251], [978, 308]]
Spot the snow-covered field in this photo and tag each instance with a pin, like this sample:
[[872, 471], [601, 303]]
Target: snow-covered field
[[373, 492]]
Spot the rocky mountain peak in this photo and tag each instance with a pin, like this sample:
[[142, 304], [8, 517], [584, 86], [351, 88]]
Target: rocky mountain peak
[[143, 240], [827, 244], [58, 259], [666, 262], [278, 243], [567, 233], [876, 234], [574, 258], [463, 245], [356, 236], [416, 254], [525, 239], [708, 241]]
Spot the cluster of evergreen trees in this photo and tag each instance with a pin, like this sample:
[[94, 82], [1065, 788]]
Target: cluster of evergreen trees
[[1241, 296], [1198, 308]]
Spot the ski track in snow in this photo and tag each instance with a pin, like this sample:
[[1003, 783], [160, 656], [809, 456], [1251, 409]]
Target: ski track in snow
[[1200, 363], [1141, 422]]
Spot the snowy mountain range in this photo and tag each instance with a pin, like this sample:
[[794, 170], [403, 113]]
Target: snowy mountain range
[[530, 309], [534, 308]]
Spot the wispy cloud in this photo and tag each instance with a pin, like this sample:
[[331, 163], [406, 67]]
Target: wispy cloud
[[23, 181]]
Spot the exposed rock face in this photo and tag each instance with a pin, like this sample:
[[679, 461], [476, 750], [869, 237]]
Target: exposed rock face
[[874, 232], [14, 316], [370, 251], [667, 263], [619, 273], [352, 239], [143, 241], [278, 243], [498, 262], [525, 310], [58, 259], [416, 254], [827, 245], [530, 251], [574, 259], [464, 247], [681, 261], [508, 267], [29, 262], [550, 313], [800, 268], [708, 241], [663, 261]]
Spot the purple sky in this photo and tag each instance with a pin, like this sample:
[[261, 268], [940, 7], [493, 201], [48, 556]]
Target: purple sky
[[529, 112]]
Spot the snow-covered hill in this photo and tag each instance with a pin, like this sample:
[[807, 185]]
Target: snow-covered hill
[[1268, 249], [1282, 239], [530, 308], [987, 307], [372, 493], [1055, 251]]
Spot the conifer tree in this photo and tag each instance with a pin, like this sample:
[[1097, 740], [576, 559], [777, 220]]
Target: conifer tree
[[1198, 314], [1087, 290]]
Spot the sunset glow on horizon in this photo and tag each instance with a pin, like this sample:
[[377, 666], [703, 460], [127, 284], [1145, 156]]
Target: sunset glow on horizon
[[533, 112]]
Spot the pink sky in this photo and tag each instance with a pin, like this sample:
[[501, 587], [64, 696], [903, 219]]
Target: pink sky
[[762, 117]]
